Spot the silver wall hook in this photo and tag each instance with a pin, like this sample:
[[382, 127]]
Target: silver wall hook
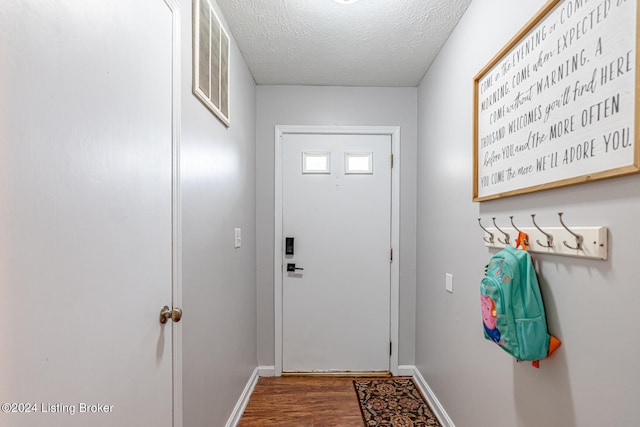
[[506, 235], [526, 241], [579, 238], [547, 235], [490, 239], [513, 225]]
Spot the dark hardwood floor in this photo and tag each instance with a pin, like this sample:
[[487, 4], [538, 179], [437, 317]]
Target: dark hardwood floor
[[303, 402]]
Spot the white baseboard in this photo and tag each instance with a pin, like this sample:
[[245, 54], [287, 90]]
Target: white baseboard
[[432, 400], [267, 371], [406, 370], [238, 410]]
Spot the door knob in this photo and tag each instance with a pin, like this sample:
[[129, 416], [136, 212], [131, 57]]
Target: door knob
[[166, 313]]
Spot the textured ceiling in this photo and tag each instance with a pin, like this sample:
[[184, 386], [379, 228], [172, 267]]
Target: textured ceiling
[[320, 42]]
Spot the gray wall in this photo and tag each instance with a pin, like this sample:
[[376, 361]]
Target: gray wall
[[308, 105], [592, 306], [218, 194]]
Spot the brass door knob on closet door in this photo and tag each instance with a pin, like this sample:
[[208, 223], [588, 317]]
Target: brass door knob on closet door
[[167, 313]]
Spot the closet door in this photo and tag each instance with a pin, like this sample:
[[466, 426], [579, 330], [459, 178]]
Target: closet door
[[85, 213]]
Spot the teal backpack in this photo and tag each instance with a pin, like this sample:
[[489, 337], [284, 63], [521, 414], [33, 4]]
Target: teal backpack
[[512, 308]]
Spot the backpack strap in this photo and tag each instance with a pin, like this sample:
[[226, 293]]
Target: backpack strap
[[522, 240], [554, 343]]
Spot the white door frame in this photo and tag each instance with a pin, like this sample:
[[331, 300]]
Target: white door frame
[[394, 133], [176, 208]]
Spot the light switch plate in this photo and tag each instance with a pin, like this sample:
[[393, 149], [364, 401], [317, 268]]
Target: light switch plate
[[449, 283], [238, 238]]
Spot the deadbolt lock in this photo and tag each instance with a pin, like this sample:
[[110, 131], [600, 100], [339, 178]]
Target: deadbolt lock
[[166, 313]]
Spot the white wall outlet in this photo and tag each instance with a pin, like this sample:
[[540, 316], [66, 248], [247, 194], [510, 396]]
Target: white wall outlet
[[238, 238], [449, 283]]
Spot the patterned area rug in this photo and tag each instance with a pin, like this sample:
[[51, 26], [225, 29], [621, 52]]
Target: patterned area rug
[[393, 403]]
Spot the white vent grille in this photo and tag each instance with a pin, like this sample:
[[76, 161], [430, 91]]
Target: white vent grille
[[210, 60]]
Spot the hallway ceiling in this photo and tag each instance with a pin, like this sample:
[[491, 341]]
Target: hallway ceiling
[[321, 42]]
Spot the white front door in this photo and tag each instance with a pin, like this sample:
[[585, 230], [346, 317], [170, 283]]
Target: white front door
[[85, 213], [336, 205]]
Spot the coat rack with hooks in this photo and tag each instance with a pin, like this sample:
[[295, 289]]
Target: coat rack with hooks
[[583, 242]]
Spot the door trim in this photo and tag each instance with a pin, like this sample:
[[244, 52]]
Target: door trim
[[176, 209], [394, 133]]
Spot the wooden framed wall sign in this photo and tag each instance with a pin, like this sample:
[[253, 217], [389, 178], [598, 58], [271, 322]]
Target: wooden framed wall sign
[[210, 60], [558, 105]]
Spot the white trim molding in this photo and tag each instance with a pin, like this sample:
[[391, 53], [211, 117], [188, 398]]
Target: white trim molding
[[267, 371], [394, 133], [176, 208], [432, 400], [243, 400], [406, 370]]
